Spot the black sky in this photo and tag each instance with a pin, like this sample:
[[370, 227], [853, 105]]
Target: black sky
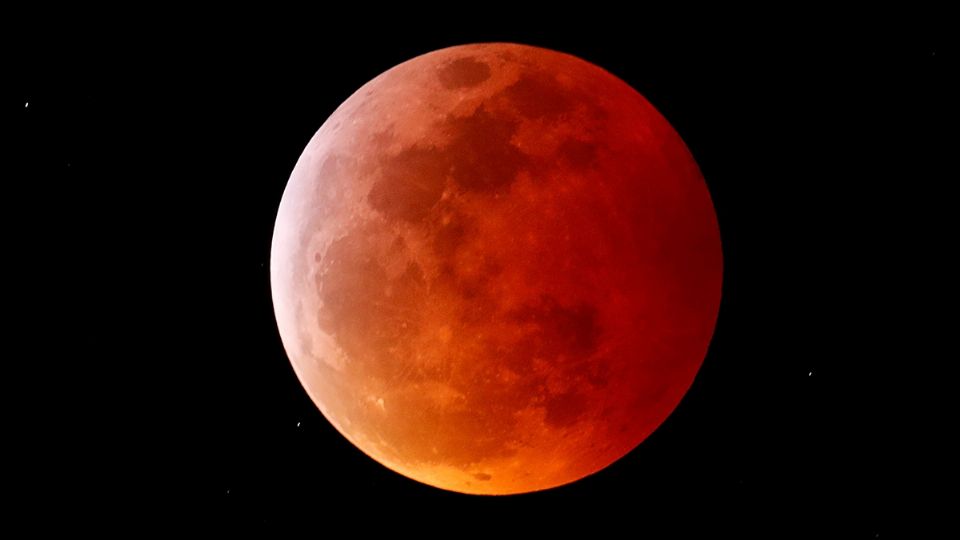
[[151, 173]]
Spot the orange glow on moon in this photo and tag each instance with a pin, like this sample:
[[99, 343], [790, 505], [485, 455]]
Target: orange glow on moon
[[496, 268]]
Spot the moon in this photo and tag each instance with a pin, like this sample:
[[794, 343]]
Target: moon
[[496, 268]]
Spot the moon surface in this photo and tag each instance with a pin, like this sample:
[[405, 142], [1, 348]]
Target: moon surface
[[496, 268]]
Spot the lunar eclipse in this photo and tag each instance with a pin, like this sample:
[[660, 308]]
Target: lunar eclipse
[[496, 268]]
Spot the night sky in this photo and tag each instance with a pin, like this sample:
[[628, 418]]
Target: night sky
[[161, 378]]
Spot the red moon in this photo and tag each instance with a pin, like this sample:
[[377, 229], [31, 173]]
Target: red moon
[[496, 268]]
